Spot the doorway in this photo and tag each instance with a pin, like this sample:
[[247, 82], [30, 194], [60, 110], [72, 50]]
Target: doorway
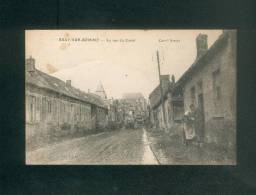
[[201, 118]]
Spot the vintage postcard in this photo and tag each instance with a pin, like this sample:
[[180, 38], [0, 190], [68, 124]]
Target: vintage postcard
[[130, 97]]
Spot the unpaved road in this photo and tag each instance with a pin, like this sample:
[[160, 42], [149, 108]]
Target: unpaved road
[[116, 147]]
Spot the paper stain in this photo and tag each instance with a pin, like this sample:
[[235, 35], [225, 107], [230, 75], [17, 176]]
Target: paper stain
[[65, 44], [50, 68]]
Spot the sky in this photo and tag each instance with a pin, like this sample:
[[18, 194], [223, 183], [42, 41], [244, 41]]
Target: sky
[[122, 60]]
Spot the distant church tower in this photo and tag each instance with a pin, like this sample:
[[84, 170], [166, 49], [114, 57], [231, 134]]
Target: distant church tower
[[100, 91]]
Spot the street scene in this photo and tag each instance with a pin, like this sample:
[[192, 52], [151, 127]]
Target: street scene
[[115, 147], [130, 97]]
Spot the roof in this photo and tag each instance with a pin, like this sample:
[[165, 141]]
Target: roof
[[155, 95], [45, 81], [100, 91], [201, 62]]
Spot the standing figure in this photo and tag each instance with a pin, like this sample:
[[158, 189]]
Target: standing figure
[[189, 125]]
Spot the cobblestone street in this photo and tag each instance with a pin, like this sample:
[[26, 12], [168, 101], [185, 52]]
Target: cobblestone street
[[115, 147]]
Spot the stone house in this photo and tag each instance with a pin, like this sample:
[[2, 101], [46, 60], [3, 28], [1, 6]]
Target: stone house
[[210, 85], [134, 102], [54, 106], [161, 110]]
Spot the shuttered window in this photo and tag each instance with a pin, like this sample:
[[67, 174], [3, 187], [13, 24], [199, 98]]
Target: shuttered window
[[31, 103]]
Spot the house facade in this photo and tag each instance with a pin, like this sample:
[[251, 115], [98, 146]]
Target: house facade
[[56, 108], [161, 111], [210, 85], [134, 102]]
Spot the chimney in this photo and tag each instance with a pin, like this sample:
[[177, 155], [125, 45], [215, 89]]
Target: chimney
[[229, 32], [226, 31], [165, 80], [68, 83], [201, 45], [173, 79], [30, 64]]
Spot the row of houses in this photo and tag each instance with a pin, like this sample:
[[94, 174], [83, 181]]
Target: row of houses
[[166, 109], [130, 105], [134, 103], [209, 84], [54, 106]]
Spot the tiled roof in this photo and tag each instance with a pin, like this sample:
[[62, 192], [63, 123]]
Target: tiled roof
[[43, 80]]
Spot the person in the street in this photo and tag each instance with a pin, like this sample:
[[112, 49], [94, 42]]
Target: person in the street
[[189, 125]]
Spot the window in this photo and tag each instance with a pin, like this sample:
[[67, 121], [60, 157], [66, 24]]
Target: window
[[37, 108], [55, 107], [200, 85], [215, 76], [193, 95], [80, 112], [71, 111], [218, 92], [31, 111], [216, 84], [44, 108], [32, 108], [38, 103], [49, 106]]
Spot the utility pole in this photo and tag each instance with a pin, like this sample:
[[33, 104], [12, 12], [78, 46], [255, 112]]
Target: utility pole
[[161, 88]]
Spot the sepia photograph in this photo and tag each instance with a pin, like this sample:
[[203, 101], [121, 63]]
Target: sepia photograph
[[130, 97]]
